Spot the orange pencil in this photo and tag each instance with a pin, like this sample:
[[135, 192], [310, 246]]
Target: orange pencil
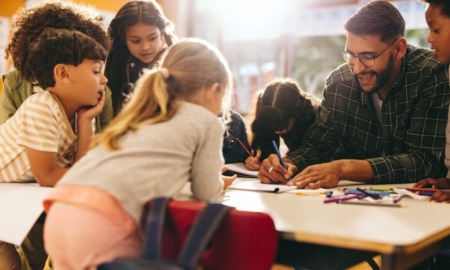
[[421, 189]]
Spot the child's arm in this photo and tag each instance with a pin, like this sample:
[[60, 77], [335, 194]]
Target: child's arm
[[84, 126], [442, 183], [441, 196], [44, 168]]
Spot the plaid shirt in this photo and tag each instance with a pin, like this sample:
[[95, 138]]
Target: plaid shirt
[[409, 143]]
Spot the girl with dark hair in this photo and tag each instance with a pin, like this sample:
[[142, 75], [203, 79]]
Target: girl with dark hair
[[282, 110], [140, 33]]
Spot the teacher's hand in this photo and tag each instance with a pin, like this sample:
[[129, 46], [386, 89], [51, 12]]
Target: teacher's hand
[[317, 176]]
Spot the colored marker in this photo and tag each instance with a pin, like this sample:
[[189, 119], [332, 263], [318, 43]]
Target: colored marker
[[426, 193], [374, 192], [373, 196], [341, 198]]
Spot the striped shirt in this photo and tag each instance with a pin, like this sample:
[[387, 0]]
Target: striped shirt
[[41, 124], [408, 144]]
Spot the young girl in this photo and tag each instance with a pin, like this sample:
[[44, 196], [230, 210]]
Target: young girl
[[167, 135], [282, 110], [140, 33]]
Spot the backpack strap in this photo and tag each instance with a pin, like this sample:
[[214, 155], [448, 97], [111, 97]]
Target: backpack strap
[[200, 234], [154, 227]]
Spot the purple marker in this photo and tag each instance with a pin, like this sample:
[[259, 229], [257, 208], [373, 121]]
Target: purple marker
[[341, 198]]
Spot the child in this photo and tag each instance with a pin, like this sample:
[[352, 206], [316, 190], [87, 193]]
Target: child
[[282, 110], [52, 129], [438, 19], [28, 24], [140, 33], [233, 151], [167, 135]]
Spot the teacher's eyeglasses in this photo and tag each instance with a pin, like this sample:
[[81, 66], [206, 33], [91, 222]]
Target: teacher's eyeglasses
[[366, 59]]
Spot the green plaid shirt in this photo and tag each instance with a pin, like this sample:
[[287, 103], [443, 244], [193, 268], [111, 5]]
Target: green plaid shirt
[[409, 143]]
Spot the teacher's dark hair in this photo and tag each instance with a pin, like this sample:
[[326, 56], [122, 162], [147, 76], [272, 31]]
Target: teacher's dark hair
[[377, 18]]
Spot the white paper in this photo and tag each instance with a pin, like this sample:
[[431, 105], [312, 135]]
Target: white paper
[[241, 169], [256, 185], [20, 207]]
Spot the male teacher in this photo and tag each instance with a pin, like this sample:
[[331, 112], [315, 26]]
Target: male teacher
[[383, 114]]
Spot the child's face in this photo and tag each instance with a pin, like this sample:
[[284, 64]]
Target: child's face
[[439, 35], [88, 82], [144, 41]]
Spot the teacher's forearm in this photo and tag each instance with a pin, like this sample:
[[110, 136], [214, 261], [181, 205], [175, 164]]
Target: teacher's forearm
[[354, 170]]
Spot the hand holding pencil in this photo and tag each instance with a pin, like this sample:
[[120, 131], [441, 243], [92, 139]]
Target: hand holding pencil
[[275, 170], [251, 162]]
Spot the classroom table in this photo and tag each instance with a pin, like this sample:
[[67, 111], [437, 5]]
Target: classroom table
[[404, 236]]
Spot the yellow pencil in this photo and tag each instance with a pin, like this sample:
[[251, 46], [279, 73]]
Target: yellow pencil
[[311, 192]]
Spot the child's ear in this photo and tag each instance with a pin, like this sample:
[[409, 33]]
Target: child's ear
[[61, 73], [212, 91]]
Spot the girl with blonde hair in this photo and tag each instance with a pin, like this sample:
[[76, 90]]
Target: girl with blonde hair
[[167, 135]]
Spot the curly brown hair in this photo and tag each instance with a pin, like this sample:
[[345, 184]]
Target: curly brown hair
[[60, 46], [29, 24]]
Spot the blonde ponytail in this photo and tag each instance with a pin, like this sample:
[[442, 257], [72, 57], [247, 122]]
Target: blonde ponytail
[[151, 103]]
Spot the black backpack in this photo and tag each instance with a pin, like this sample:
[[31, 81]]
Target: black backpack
[[206, 223]]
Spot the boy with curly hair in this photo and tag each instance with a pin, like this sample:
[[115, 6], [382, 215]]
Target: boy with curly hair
[[28, 24], [52, 129], [20, 83]]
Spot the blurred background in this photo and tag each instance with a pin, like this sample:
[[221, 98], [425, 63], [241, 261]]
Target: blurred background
[[261, 39]]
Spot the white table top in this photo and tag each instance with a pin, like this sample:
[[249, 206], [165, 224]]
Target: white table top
[[373, 228]]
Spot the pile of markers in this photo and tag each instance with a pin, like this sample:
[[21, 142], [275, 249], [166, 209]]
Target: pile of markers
[[376, 196]]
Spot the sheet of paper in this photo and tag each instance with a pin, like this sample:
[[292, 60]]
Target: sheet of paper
[[256, 185], [20, 207], [241, 170]]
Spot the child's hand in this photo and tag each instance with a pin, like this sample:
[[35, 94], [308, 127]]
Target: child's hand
[[228, 180], [224, 169], [89, 113], [441, 196], [433, 183], [252, 163]]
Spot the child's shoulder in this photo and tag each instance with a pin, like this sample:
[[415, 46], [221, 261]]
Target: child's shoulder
[[197, 116], [195, 111], [44, 102], [43, 96]]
